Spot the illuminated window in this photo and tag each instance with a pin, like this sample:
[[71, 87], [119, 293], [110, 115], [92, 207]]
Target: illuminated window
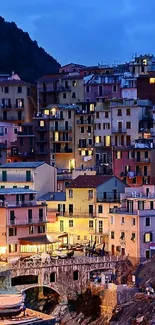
[[118, 154], [42, 123], [107, 140], [145, 61], [97, 139], [90, 152], [46, 112], [56, 136], [12, 248], [91, 107], [147, 237], [83, 152], [74, 83], [53, 111], [152, 80]]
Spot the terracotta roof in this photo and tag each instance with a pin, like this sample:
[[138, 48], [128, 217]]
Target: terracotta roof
[[89, 181]]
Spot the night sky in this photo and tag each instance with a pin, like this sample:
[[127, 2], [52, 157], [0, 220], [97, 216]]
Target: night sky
[[86, 31]]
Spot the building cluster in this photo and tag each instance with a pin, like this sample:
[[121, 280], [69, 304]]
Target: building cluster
[[77, 155]]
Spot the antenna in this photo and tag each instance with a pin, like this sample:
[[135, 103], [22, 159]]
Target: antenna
[[38, 110]]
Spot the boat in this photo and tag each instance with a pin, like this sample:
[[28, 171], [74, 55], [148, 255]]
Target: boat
[[11, 304], [21, 320]]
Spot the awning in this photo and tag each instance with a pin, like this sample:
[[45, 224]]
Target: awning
[[37, 240]]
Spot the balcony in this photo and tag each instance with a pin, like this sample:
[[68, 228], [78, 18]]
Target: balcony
[[26, 221], [24, 134], [99, 144], [62, 139], [85, 145], [79, 215], [109, 197], [16, 204], [119, 130], [123, 211], [84, 122], [62, 128], [64, 88], [84, 112], [62, 150], [64, 176], [142, 160]]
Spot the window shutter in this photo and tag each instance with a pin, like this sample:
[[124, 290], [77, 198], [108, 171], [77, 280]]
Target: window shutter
[[151, 237]]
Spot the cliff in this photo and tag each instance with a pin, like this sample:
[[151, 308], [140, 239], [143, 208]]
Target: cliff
[[20, 54]]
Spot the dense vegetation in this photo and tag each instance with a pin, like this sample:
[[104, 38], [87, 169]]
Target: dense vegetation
[[20, 54]]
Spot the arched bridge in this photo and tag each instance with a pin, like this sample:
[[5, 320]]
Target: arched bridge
[[65, 276]]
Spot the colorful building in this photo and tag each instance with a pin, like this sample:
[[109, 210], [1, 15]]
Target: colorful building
[[18, 101], [37, 176], [131, 226], [83, 213], [23, 222]]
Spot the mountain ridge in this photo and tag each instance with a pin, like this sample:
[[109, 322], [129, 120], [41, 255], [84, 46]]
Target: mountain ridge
[[19, 53]]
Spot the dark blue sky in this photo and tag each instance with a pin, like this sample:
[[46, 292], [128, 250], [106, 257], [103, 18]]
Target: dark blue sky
[[86, 31]]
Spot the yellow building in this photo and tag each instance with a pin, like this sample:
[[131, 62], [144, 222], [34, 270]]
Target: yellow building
[[83, 212]]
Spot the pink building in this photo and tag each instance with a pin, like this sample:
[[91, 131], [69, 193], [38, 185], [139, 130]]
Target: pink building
[[8, 136], [101, 86], [71, 67], [23, 223]]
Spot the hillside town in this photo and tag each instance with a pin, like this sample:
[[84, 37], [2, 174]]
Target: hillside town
[[77, 177], [77, 156]]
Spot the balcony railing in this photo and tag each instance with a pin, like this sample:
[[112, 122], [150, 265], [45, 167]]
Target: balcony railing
[[81, 122], [99, 144], [119, 130], [64, 176], [61, 128], [79, 214], [61, 139], [109, 198], [26, 221], [21, 203], [85, 145], [123, 210], [143, 160], [62, 150]]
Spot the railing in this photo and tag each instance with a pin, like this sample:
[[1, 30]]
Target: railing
[[21, 203], [110, 198], [99, 144], [64, 176], [85, 145], [79, 215], [26, 221], [74, 261], [62, 150], [61, 139], [123, 211], [119, 130], [83, 122], [20, 133], [143, 160], [61, 128]]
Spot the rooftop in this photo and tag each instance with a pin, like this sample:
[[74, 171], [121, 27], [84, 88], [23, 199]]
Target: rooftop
[[23, 164], [18, 190], [89, 181], [14, 82], [53, 196]]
